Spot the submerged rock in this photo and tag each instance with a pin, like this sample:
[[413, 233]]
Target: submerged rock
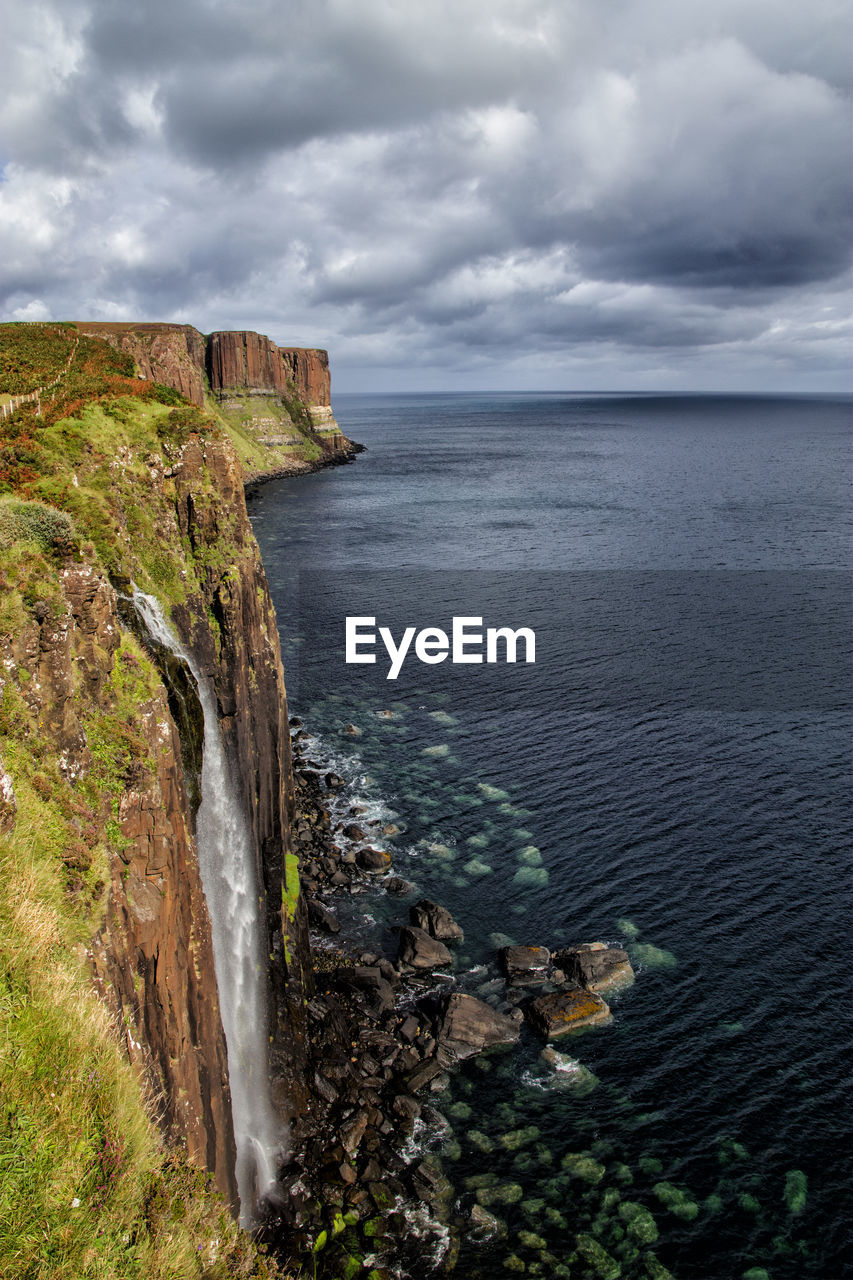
[[796, 1188], [677, 1201], [597, 1257], [569, 1073], [560, 1012], [468, 1026], [579, 1164]]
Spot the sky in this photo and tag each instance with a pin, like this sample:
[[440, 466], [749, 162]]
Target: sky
[[483, 194]]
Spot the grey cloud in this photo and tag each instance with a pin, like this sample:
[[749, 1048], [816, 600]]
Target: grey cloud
[[478, 184]]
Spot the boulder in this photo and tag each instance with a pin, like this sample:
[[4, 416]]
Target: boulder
[[467, 1026], [485, 1226], [559, 1012], [435, 920], [525, 965], [334, 781], [398, 885], [353, 831], [420, 951], [373, 859], [322, 918], [595, 966]]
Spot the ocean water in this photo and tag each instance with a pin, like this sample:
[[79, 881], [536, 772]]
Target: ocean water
[[672, 775]]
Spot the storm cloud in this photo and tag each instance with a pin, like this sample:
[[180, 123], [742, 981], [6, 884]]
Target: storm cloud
[[485, 193]]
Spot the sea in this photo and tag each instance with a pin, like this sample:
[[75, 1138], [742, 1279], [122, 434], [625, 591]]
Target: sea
[[671, 775]]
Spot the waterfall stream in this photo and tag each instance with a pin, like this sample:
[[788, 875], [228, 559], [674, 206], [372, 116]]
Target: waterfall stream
[[228, 875]]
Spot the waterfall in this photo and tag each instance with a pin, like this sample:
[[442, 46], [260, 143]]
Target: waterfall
[[227, 863]]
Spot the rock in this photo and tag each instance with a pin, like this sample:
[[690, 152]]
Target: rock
[[353, 1131], [334, 781], [322, 918], [8, 804], [422, 1075], [435, 920], [372, 859], [595, 966], [353, 831], [468, 1026], [409, 1028], [399, 886], [524, 965], [559, 1012], [420, 951], [485, 1226]]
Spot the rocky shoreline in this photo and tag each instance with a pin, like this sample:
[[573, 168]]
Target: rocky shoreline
[[364, 1191], [343, 455]]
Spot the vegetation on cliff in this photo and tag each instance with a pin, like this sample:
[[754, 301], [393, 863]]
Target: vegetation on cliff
[[117, 480]]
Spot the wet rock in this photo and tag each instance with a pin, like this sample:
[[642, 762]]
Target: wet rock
[[435, 920], [595, 966], [468, 1026], [399, 886], [373, 859], [418, 950], [322, 918], [334, 781], [524, 965], [353, 831], [559, 1012], [485, 1226]]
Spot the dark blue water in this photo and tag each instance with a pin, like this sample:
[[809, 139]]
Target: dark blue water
[[672, 775]]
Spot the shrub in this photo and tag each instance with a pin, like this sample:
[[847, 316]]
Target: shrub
[[35, 522]]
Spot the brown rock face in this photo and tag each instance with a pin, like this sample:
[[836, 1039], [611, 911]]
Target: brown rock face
[[244, 662], [308, 369], [241, 359], [152, 958], [169, 353]]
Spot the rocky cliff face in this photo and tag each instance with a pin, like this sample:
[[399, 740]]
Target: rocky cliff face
[[239, 360], [152, 955], [169, 353], [241, 654], [97, 703]]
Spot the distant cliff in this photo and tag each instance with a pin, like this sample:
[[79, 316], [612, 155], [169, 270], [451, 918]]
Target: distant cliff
[[277, 399]]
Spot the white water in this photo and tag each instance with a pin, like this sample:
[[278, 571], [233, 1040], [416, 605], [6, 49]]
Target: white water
[[228, 875]]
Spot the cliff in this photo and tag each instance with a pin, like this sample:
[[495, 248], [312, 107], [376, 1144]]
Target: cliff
[[99, 742], [275, 401], [169, 353]]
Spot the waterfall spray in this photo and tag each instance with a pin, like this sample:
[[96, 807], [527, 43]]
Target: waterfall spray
[[227, 863]]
